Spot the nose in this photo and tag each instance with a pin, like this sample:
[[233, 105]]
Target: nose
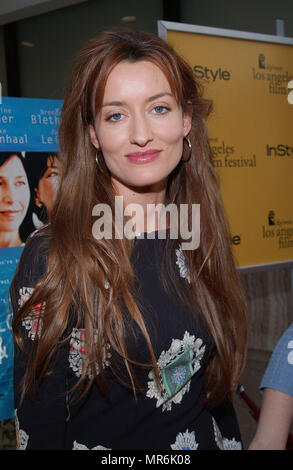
[[8, 195], [140, 132]]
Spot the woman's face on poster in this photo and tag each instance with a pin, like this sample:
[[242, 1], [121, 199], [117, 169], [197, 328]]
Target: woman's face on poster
[[14, 194], [48, 184]]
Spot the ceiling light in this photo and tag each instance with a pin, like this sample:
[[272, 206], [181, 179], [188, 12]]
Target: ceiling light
[[128, 19], [27, 44]]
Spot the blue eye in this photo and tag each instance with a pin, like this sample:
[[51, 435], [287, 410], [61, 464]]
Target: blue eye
[[115, 117], [161, 109]]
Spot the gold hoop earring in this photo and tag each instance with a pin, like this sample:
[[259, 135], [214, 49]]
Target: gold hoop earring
[[100, 162], [190, 150]]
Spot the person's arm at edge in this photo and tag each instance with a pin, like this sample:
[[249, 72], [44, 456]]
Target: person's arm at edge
[[275, 421]]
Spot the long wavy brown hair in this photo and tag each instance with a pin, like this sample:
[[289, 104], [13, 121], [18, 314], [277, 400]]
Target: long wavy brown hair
[[78, 264]]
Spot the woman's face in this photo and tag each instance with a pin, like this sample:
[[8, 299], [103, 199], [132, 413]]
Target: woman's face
[[140, 127], [14, 194], [48, 184]]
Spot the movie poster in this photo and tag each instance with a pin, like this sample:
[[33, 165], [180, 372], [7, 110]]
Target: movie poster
[[29, 178]]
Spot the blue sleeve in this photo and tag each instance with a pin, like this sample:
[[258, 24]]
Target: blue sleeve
[[279, 372]]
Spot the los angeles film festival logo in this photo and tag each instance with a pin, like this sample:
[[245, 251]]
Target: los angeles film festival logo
[[275, 76], [280, 230], [226, 155]]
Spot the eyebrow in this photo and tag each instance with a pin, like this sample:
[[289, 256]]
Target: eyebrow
[[15, 177], [151, 98]]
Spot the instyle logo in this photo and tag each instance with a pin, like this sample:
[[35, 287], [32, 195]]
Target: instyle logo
[[210, 74], [280, 150]]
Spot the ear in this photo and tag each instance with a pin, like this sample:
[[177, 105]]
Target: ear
[[187, 120], [93, 137], [38, 202]]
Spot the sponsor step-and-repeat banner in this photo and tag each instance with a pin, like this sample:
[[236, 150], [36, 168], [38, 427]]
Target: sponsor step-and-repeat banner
[[248, 77], [29, 174]]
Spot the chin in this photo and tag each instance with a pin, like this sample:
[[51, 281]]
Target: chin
[[9, 229], [146, 184], [154, 178]]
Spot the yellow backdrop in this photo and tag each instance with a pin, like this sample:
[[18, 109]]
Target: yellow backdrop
[[251, 136]]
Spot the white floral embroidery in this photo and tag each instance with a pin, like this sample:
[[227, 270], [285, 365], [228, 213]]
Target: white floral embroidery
[[218, 435], [166, 357], [231, 444], [23, 436], [222, 442], [78, 446], [32, 323], [24, 295], [181, 262], [185, 441], [77, 352]]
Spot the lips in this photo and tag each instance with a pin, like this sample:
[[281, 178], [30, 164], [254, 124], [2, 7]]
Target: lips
[[9, 213], [143, 157]]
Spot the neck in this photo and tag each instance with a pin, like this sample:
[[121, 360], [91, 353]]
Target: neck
[[143, 206], [10, 239]]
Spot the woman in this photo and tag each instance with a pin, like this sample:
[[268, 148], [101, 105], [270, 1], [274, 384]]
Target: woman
[[132, 343], [14, 197], [44, 181]]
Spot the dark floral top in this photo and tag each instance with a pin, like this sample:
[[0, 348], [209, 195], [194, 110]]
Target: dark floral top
[[170, 417]]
